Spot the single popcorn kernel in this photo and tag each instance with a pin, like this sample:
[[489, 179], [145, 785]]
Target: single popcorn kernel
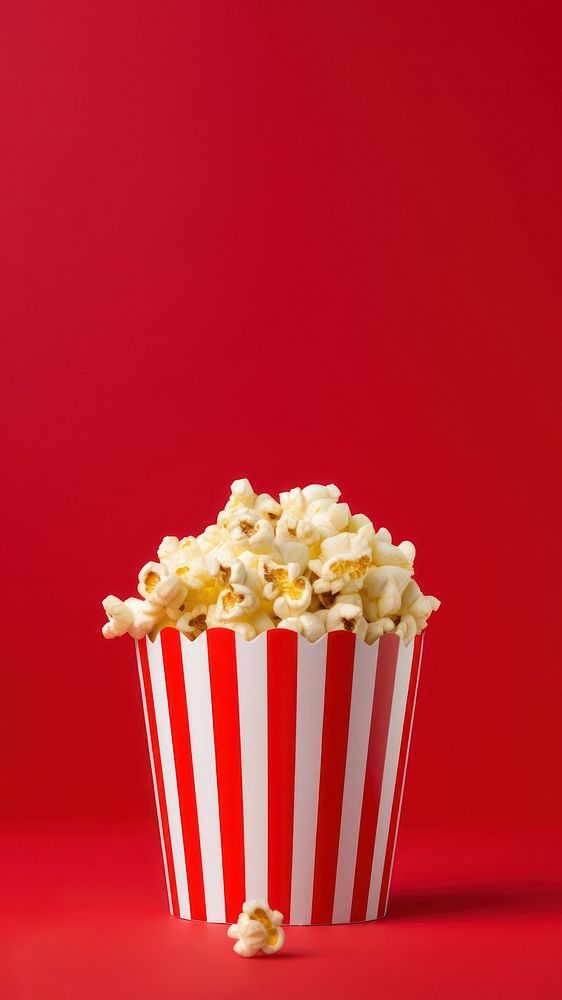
[[182, 570], [258, 929], [152, 580], [279, 575]]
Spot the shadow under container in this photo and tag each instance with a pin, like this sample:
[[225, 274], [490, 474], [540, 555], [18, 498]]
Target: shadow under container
[[278, 769]]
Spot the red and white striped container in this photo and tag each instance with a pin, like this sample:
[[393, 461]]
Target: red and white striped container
[[278, 769]]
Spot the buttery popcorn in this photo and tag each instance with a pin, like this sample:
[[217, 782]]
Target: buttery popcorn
[[303, 563], [258, 929]]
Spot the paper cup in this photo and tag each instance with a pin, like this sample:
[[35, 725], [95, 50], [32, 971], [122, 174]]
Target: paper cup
[[278, 769]]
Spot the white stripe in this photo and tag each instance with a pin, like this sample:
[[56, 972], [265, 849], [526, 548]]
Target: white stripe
[[199, 708], [158, 681], [404, 778], [364, 670], [392, 754], [311, 678], [251, 662], [153, 769]]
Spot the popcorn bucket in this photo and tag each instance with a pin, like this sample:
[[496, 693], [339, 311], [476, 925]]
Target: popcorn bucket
[[278, 769]]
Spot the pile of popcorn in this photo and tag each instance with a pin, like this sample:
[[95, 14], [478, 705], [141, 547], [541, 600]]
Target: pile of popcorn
[[304, 562]]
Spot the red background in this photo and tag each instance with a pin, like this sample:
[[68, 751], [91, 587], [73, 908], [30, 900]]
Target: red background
[[300, 242]]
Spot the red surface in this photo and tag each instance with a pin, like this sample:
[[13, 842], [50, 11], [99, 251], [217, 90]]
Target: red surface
[[468, 916], [299, 242]]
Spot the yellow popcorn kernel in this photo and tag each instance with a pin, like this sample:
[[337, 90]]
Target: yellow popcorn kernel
[[182, 570], [258, 929]]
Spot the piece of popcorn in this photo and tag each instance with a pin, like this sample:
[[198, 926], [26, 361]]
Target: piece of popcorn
[[327, 517], [289, 592], [258, 929], [200, 573], [295, 521], [248, 530], [295, 600], [309, 625], [266, 506], [375, 630], [345, 598], [384, 586], [276, 578], [357, 521], [316, 492], [261, 622], [386, 554], [286, 552], [242, 496], [174, 553], [147, 620], [244, 629], [235, 602], [120, 616], [347, 617], [416, 606], [344, 560], [407, 629], [193, 622], [158, 586], [211, 538]]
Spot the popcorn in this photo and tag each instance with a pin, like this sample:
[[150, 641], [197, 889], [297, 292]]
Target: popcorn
[[308, 624], [290, 593], [258, 929], [304, 563], [384, 586], [193, 622], [348, 617], [375, 630], [120, 617]]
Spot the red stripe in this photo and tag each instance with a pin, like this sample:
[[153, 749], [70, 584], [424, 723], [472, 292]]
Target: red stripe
[[400, 775], [282, 725], [378, 736], [226, 726], [181, 741], [143, 655], [337, 701]]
